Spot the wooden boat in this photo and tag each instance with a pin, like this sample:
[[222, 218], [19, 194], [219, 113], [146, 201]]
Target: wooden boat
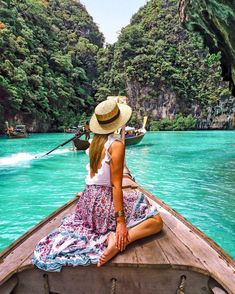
[[137, 135], [133, 140], [80, 144], [180, 259], [72, 130], [18, 132]]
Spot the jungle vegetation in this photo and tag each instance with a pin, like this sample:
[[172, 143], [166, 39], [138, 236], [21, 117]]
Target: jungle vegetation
[[48, 60], [155, 54], [54, 66]]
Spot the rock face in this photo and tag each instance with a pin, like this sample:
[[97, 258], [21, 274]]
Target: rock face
[[220, 116], [215, 21], [141, 100], [166, 105], [165, 70]]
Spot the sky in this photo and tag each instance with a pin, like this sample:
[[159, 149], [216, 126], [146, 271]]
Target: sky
[[112, 15]]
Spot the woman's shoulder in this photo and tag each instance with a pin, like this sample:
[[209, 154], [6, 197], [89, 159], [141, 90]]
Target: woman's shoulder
[[113, 140], [115, 145]]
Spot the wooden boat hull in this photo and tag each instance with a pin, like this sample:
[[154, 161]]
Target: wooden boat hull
[[81, 144], [16, 133], [134, 140], [152, 265], [17, 136], [123, 279], [84, 144]]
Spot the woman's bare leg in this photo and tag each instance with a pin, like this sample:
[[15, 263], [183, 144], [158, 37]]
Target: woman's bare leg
[[147, 228]]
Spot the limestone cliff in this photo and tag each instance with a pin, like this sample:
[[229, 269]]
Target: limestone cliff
[[167, 105], [215, 21], [165, 70]]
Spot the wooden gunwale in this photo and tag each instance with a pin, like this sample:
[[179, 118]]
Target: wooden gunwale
[[211, 242], [134, 140]]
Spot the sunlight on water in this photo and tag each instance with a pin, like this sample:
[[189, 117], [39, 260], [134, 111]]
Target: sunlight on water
[[194, 172]]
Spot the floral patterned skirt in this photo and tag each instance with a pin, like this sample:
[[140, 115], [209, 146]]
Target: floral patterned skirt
[[82, 236]]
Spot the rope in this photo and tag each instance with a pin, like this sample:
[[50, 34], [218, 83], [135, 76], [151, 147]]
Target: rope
[[181, 287], [113, 287]]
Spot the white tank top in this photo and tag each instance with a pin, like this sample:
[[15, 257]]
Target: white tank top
[[102, 177]]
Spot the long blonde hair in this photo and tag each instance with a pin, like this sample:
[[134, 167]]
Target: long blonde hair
[[95, 151]]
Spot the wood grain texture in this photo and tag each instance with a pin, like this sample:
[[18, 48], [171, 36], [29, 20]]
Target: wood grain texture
[[211, 258]]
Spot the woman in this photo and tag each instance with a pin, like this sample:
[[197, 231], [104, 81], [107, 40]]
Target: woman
[[106, 220]]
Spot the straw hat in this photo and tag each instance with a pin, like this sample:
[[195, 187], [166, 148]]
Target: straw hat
[[109, 116]]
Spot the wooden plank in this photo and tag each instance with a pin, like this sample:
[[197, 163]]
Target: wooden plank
[[149, 252], [142, 253], [164, 207], [126, 258], [218, 268], [179, 255], [128, 183], [216, 261], [26, 263]]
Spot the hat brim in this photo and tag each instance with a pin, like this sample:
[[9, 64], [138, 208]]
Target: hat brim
[[97, 128]]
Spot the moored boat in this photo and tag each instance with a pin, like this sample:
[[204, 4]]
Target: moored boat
[[80, 144], [179, 258], [72, 130], [134, 139], [18, 132]]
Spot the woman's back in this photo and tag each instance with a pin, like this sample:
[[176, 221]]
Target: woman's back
[[102, 176]]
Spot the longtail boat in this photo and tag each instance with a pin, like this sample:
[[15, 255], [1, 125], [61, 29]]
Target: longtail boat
[[18, 132], [133, 140], [80, 144], [180, 259]]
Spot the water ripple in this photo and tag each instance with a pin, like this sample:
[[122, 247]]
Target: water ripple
[[194, 172]]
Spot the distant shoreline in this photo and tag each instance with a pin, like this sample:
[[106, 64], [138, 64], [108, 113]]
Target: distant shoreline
[[169, 131]]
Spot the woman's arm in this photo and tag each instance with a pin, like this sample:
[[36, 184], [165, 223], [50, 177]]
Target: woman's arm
[[117, 151]]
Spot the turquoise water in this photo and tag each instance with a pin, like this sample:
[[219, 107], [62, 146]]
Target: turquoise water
[[194, 172]]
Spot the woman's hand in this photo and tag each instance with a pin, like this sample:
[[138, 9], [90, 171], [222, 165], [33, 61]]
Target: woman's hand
[[122, 236]]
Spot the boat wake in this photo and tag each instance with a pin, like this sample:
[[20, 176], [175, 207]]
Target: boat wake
[[25, 157], [16, 159]]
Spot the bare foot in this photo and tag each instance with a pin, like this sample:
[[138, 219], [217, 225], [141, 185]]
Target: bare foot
[[110, 251]]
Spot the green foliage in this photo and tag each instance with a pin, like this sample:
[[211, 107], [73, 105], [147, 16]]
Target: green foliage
[[48, 59], [53, 64], [153, 126], [155, 53], [179, 123]]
